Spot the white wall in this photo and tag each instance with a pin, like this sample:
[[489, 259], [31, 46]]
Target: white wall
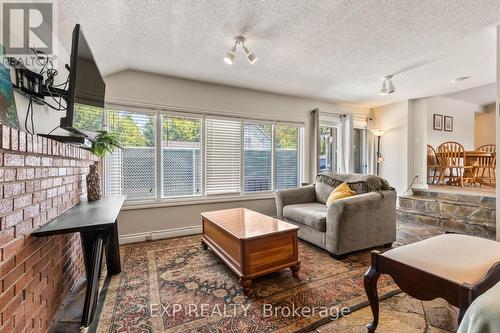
[[484, 126], [417, 143], [463, 121], [139, 88], [394, 144]]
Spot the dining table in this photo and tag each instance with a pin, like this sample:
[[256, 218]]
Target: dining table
[[473, 158]]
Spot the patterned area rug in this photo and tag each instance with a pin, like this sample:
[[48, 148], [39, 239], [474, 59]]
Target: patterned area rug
[[176, 286]]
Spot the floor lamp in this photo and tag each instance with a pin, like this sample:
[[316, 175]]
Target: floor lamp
[[378, 132]]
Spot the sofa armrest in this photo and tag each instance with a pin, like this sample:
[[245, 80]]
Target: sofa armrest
[[368, 218], [293, 196]]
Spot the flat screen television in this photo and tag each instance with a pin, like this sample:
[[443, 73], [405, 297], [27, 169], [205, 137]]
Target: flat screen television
[[86, 89]]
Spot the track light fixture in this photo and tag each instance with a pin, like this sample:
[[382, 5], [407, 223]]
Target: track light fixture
[[387, 86], [239, 41]]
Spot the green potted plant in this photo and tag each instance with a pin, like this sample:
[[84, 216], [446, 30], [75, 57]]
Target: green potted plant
[[103, 144]]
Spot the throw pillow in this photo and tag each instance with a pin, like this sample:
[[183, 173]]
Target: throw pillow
[[341, 191]]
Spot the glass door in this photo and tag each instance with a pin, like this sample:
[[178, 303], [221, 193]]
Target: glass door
[[328, 161]]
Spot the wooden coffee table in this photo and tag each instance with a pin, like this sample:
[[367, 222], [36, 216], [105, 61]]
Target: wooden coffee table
[[251, 244]]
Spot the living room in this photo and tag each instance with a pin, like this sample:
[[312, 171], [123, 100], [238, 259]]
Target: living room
[[249, 166]]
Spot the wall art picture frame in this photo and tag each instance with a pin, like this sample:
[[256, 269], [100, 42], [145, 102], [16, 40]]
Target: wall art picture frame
[[448, 124], [437, 122], [8, 111]]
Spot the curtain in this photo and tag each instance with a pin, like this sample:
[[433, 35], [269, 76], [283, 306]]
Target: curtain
[[315, 142], [347, 148], [372, 148]]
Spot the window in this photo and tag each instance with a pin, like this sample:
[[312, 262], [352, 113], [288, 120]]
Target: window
[[181, 162], [257, 163], [329, 139], [132, 170], [223, 155], [287, 156], [172, 155]]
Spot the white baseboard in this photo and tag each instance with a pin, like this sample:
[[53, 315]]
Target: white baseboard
[[160, 234]]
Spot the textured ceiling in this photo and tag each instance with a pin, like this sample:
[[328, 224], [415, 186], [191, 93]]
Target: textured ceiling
[[482, 95], [332, 50]]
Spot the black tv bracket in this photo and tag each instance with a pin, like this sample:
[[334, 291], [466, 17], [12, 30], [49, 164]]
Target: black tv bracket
[[32, 85]]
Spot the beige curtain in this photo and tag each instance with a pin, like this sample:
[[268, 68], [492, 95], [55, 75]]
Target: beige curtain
[[347, 147], [372, 148], [315, 142]]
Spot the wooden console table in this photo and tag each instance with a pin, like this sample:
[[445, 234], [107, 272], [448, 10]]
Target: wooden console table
[[96, 223]]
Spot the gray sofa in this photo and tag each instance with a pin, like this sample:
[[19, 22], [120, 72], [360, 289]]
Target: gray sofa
[[351, 224]]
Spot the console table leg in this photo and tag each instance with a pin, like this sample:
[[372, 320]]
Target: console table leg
[[92, 247], [113, 251]]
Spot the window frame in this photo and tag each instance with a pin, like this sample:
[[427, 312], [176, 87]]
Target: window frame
[[203, 198]]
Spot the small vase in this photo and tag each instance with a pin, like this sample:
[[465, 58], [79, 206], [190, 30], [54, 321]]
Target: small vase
[[94, 191]]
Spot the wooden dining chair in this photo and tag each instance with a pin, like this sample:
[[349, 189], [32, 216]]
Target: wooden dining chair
[[485, 169], [432, 166], [452, 164]]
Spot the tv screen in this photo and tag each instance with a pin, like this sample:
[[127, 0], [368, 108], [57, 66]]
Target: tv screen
[[86, 89]]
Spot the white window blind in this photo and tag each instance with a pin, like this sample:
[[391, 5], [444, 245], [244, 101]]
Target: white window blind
[[258, 158], [181, 148], [287, 150], [223, 155], [360, 121], [132, 169]]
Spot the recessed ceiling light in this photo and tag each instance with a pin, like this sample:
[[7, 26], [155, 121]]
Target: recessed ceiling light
[[460, 79]]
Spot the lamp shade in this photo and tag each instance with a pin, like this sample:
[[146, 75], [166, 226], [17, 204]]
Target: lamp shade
[[378, 131]]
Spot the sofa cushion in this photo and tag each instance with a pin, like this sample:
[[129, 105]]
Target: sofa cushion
[[310, 214], [322, 192]]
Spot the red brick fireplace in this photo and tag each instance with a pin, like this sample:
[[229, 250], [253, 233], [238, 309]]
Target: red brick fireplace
[[39, 180]]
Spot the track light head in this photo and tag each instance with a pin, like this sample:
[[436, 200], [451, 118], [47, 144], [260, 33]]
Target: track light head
[[387, 86], [230, 56], [250, 55]]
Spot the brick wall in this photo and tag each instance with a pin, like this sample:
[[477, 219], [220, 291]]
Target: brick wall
[[39, 180]]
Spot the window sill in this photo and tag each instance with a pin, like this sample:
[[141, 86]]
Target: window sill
[[194, 201]]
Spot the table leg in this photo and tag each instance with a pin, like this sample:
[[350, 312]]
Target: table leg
[[295, 270], [113, 251], [246, 284], [92, 243]]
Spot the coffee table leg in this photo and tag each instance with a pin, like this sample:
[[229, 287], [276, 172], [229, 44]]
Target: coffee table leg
[[246, 284], [295, 270]]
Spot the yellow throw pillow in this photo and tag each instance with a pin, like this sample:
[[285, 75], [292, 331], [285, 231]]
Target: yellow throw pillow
[[341, 191]]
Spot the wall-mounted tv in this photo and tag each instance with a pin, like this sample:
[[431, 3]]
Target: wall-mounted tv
[[86, 89]]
